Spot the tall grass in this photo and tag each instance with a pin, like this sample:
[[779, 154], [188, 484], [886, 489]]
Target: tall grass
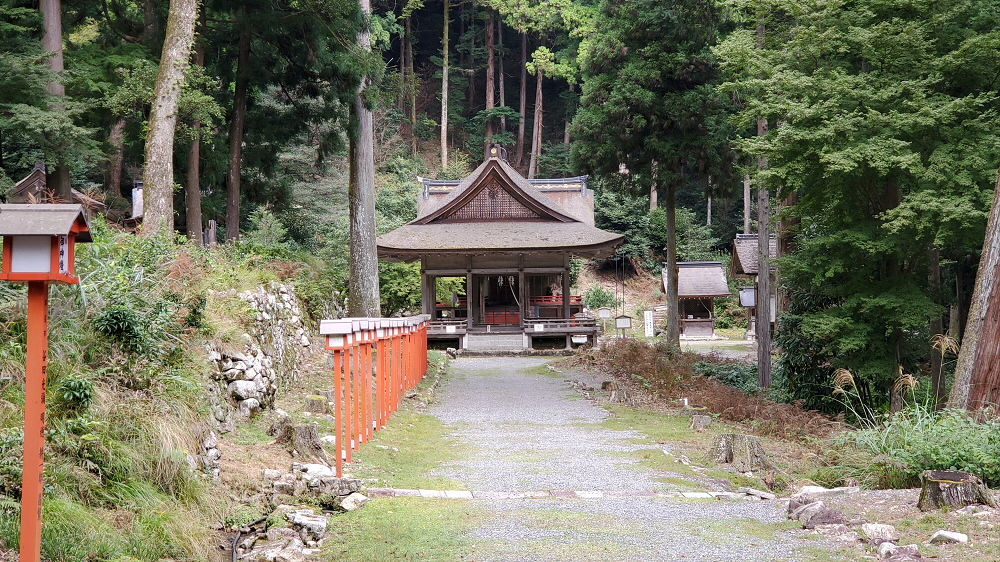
[[892, 451]]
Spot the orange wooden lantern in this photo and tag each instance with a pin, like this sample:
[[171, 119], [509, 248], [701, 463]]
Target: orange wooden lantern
[[39, 242], [39, 247]]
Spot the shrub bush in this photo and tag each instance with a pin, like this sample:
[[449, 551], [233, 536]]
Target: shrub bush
[[598, 297], [894, 452], [737, 375]]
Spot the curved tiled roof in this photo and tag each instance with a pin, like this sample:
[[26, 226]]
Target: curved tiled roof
[[470, 237]]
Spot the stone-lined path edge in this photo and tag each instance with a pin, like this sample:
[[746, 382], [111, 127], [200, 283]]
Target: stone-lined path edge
[[538, 494]]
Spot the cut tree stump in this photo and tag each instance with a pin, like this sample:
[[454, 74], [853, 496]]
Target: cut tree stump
[[301, 440], [700, 423], [316, 404], [954, 489], [744, 452]]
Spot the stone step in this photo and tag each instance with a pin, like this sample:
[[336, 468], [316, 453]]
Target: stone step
[[495, 342]]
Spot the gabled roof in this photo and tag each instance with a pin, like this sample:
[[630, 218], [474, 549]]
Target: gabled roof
[[545, 185], [746, 254], [44, 220], [700, 279], [32, 188], [495, 171], [495, 209]]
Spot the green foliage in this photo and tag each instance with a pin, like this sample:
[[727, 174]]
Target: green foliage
[[76, 393], [599, 297], [895, 450], [888, 139], [122, 325], [729, 314], [267, 237], [737, 375]]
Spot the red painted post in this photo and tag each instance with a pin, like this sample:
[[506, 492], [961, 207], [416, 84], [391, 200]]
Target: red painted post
[[369, 336], [34, 421], [358, 400], [348, 398], [338, 408]]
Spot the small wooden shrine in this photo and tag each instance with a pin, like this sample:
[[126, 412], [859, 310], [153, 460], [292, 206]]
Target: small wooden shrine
[[746, 262], [699, 283], [495, 249]]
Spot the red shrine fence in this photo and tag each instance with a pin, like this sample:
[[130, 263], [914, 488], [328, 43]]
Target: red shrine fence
[[376, 361]]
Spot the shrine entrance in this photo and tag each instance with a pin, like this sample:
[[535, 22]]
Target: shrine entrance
[[498, 299]]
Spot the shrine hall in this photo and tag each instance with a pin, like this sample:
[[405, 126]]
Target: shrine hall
[[494, 250]]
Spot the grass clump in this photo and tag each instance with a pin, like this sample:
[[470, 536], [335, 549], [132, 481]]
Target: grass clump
[[404, 529], [892, 452]]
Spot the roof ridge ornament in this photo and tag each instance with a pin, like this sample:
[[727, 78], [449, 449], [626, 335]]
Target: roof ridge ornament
[[497, 150]]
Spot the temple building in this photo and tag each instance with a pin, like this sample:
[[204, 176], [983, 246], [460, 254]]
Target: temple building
[[494, 250]]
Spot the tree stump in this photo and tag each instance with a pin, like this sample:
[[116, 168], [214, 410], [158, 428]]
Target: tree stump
[[328, 394], [700, 422], [301, 440], [954, 489], [316, 404], [744, 452]]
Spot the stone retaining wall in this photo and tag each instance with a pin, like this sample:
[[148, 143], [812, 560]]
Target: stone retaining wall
[[276, 346]]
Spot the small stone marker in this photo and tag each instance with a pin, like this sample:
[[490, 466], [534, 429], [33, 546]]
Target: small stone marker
[[949, 537]]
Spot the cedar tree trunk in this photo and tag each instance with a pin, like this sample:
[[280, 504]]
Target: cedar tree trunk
[[237, 128], [522, 104], [158, 176], [116, 162], [364, 286], [977, 375], [192, 193], [536, 127], [411, 85], [500, 77], [673, 302], [763, 261], [444, 87], [491, 85], [58, 180], [746, 204]]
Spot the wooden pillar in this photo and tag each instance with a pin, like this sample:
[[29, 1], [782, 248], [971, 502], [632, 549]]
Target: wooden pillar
[[522, 293], [565, 286], [469, 292], [426, 305]]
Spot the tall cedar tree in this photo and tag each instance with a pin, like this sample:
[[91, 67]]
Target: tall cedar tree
[[888, 140], [364, 286], [158, 175], [647, 102]]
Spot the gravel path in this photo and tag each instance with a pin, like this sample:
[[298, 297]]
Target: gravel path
[[529, 430]]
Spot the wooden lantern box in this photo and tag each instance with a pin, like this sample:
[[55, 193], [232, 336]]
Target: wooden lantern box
[[39, 242]]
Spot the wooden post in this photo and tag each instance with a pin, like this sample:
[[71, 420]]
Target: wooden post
[[34, 421], [565, 287], [348, 397], [338, 411]]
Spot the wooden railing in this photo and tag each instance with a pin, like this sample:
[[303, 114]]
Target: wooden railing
[[541, 325], [376, 361], [556, 300], [448, 326]]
